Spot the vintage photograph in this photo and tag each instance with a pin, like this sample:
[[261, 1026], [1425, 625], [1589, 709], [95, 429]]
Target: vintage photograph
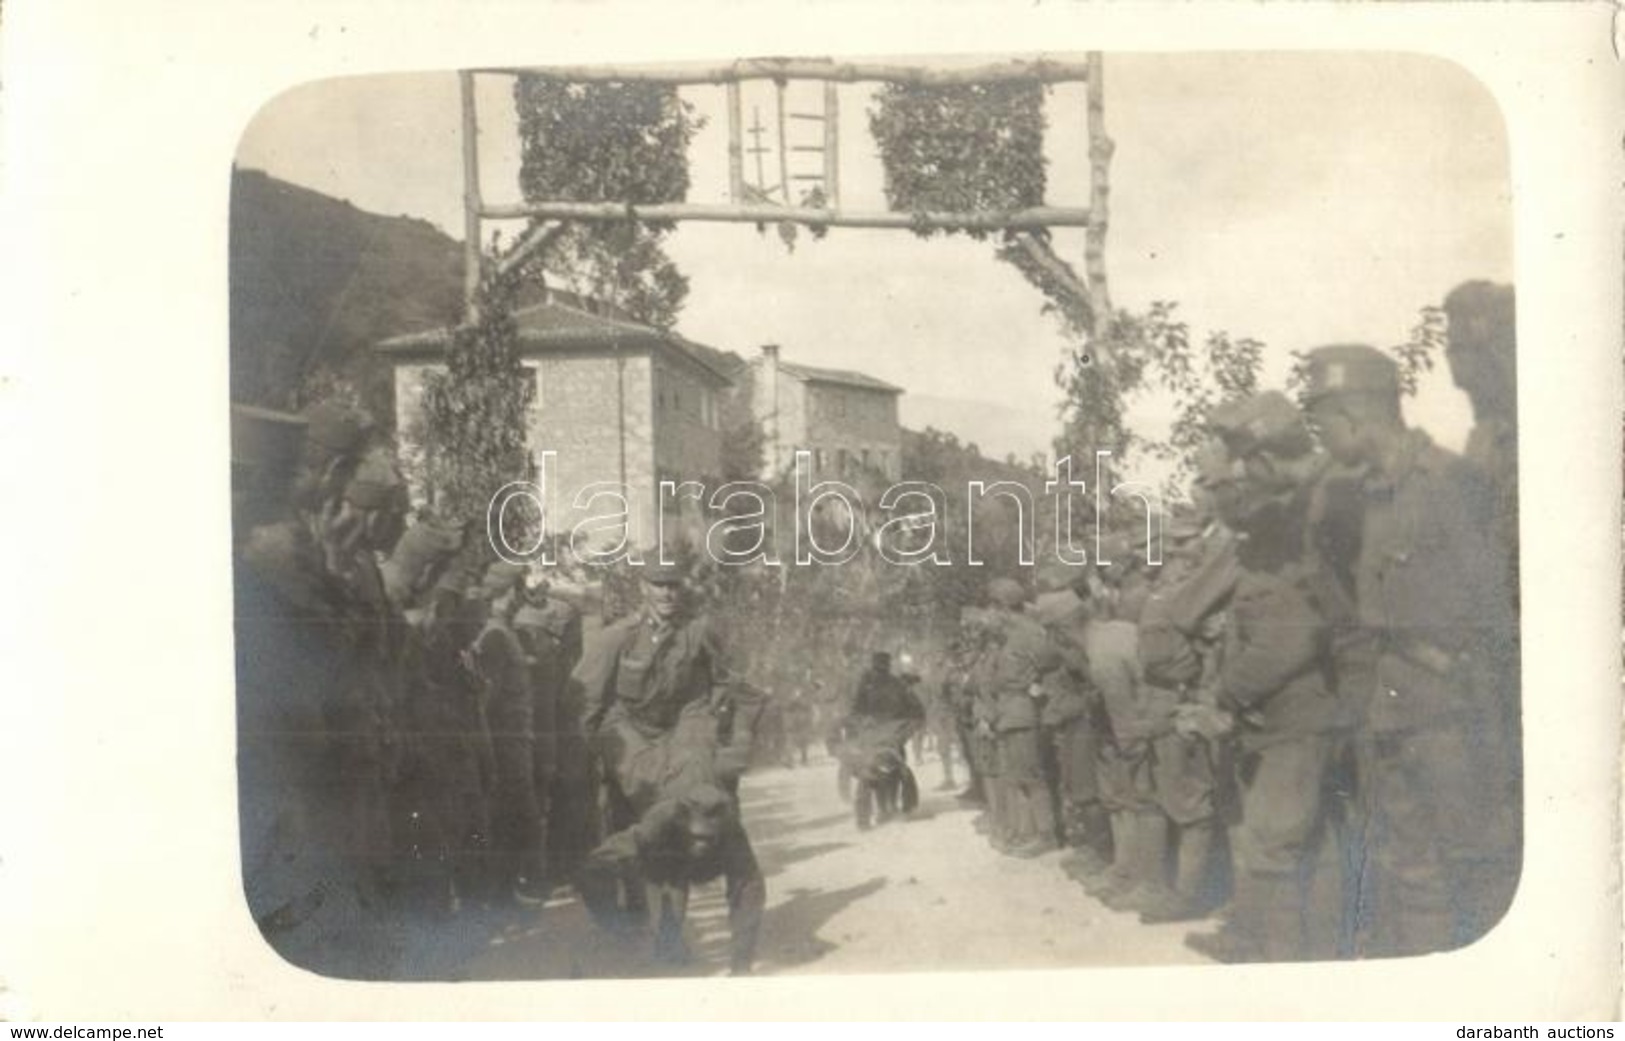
[[833, 515]]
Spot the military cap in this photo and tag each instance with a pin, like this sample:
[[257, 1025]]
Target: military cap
[[264, 439], [1006, 592], [660, 574], [1263, 422], [880, 658], [377, 483], [501, 577], [337, 428], [1350, 369]]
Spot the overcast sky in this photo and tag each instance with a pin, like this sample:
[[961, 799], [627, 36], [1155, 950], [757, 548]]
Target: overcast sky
[[1299, 198]]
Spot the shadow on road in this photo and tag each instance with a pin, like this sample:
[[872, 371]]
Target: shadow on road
[[775, 858], [790, 929]]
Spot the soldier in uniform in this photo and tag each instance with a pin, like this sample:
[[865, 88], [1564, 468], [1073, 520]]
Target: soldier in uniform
[[1433, 594], [1183, 741], [500, 662], [368, 523], [1016, 677], [882, 715], [1483, 356], [1070, 710], [549, 629], [1116, 597], [1275, 680], [959, 697], [311, 784], [800, 721], [659, 699], [451, 765]]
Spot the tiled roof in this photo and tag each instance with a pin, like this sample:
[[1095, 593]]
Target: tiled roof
[[554, 326], [846, 377]]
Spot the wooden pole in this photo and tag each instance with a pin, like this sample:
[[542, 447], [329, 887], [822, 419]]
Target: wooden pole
[[1041, 70], [832, 161], [1100, 161], [784, 146], [1034, 217], [736, 155], [472, 206]]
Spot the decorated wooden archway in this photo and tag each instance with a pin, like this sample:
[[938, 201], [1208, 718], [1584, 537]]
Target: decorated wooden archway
[[758, 205]]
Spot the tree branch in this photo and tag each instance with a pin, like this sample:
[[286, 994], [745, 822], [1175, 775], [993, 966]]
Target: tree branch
[[536, 239], [1066, 280]]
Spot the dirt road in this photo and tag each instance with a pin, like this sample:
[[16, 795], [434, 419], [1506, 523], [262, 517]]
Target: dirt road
[[926, 894]]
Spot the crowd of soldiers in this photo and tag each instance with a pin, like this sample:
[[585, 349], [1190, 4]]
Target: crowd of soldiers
[[1305, 720], [1307, 715], [422, 726]]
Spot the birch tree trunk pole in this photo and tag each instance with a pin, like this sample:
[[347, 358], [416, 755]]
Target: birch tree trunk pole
[[471, 199], [1100, 161]]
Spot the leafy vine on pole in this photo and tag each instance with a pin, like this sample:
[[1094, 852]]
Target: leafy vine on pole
[[607, 142], [475, 425]]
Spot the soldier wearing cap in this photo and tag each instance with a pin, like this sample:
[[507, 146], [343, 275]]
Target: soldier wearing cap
[[1432, 590], [1482, 350], [549, 627], [1274, 679], [1116, 592], [1018, 670], [1071, 708], [499, 660], [1483, 354], [881, 716], [266, 446], [658, 697], [442, 811], [316, 643], [959, 693]]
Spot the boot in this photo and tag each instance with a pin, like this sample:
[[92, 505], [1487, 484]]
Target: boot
[[1018, 834], [1238, 939], [1041, 813], [1119, 877], [1149, 864], [1195, 852], [1280, 917]]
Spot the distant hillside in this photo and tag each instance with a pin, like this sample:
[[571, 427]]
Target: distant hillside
[[996, 429], [316, 282], [940, 457]]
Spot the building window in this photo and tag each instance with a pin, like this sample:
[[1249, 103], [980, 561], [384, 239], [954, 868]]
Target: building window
[[818, 461], [840, 462]]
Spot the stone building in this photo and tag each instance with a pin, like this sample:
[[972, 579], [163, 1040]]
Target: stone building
[[846, 421], [620, 405]]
